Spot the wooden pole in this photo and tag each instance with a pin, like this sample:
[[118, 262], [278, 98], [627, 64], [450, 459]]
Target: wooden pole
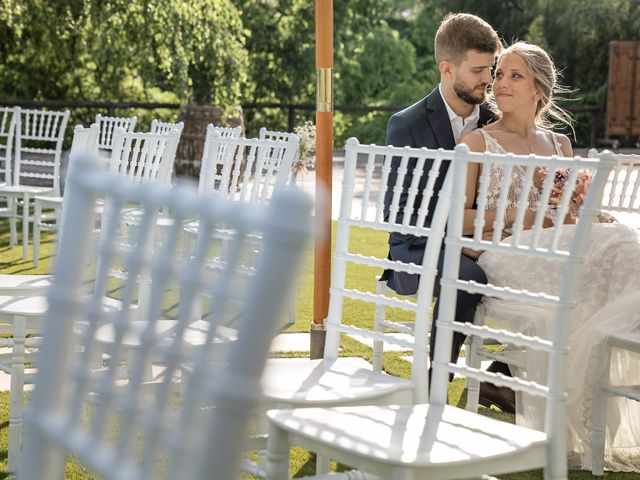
[[324, 165]]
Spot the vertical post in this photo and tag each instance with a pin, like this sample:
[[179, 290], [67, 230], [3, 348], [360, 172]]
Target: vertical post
[[324, 165], [291, 117], [595, 117]]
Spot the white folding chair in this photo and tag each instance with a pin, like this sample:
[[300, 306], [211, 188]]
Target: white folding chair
[[339, 380], [131, 432], [158, 126], [38, 150], [108, 125], [85, 140], [136, 157], [622, 199], [436, 440]]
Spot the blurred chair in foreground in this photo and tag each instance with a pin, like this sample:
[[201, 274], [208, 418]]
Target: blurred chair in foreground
[[132, 433]]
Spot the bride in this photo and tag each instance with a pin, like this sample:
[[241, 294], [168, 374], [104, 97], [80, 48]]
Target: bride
[[525, 82]]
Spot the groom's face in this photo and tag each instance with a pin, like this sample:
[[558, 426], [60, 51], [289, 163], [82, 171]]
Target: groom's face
[[472, 76]]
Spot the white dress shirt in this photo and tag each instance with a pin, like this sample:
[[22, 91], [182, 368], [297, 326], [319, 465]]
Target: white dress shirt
[[460, 126]]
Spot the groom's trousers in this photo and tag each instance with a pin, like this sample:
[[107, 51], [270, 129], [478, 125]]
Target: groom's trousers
[[407, 284]]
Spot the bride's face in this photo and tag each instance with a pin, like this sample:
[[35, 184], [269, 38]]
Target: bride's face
[[514, 86]]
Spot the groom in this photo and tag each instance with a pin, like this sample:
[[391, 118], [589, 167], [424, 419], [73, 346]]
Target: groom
[[465, 49]]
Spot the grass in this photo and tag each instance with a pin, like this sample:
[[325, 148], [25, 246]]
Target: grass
[[302, 463]]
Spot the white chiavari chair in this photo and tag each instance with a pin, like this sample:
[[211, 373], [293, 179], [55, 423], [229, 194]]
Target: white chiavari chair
[[38, 152], [85, 140], [436, 440], [348, 380], [622, 200], [134, 432]]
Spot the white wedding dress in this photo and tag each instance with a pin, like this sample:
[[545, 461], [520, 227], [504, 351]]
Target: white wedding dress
[[608, 301]]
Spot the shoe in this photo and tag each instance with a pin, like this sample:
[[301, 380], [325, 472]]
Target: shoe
[[502, 397]]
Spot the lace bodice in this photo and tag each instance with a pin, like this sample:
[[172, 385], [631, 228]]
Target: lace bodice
[[517, 178]]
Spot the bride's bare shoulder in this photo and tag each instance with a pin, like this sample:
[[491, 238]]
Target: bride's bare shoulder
[[474, 140], [564, 142]]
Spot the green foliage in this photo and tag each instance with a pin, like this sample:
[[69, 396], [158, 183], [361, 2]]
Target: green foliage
[[232, 51], [122, 50]]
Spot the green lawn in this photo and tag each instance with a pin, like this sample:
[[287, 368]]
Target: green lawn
[[301, 462]]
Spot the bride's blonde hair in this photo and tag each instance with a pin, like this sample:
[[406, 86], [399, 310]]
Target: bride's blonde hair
[[540, 65]]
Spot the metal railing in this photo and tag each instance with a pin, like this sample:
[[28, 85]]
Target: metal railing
[[291, 109]]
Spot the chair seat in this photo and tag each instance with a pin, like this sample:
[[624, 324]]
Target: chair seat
[[37, 305], [446, 442], [195, 334], [629, 341], [14, 285], [323, 382], [21, 189], [34, 305], [54, 201]]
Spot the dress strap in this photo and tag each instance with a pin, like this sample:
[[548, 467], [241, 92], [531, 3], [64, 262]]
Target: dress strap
[[556, 144], [491, 144]]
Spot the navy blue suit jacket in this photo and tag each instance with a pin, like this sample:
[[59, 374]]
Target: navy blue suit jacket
[[423, 124]]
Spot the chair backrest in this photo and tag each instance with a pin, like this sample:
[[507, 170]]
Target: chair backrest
[[265, 134], [134, 431], [158, 126], [243, 169], [362, 211], [108, 127], [85, 140], [38, 147], [233, 132], [144, 157], [542, 244], [621, 194], [7, 133]]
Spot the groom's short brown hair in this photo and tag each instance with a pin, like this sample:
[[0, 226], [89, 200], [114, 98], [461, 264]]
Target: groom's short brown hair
[[460, 32]]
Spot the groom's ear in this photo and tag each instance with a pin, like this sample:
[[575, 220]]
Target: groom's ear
[[445, 68]]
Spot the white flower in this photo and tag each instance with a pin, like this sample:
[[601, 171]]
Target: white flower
[[306, 153]]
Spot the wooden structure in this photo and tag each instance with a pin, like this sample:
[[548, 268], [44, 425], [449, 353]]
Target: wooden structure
[[324, 166], [196, 118], [623, 95]]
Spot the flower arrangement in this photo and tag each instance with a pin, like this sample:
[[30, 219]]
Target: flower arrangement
[[579, 193], [306, 159]]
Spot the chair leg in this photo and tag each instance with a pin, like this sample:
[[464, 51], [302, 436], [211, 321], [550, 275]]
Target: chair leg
[[599, 418], [25, 225], [379, 316], [473, 360], [277, 454], [12, 207], [323, 465], [37, 216], [16, 392]]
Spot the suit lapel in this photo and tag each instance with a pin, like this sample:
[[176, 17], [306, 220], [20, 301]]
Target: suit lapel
[[486, 116], [438, 120]]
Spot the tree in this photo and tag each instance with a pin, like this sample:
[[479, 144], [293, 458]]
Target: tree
[[123, 50]]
